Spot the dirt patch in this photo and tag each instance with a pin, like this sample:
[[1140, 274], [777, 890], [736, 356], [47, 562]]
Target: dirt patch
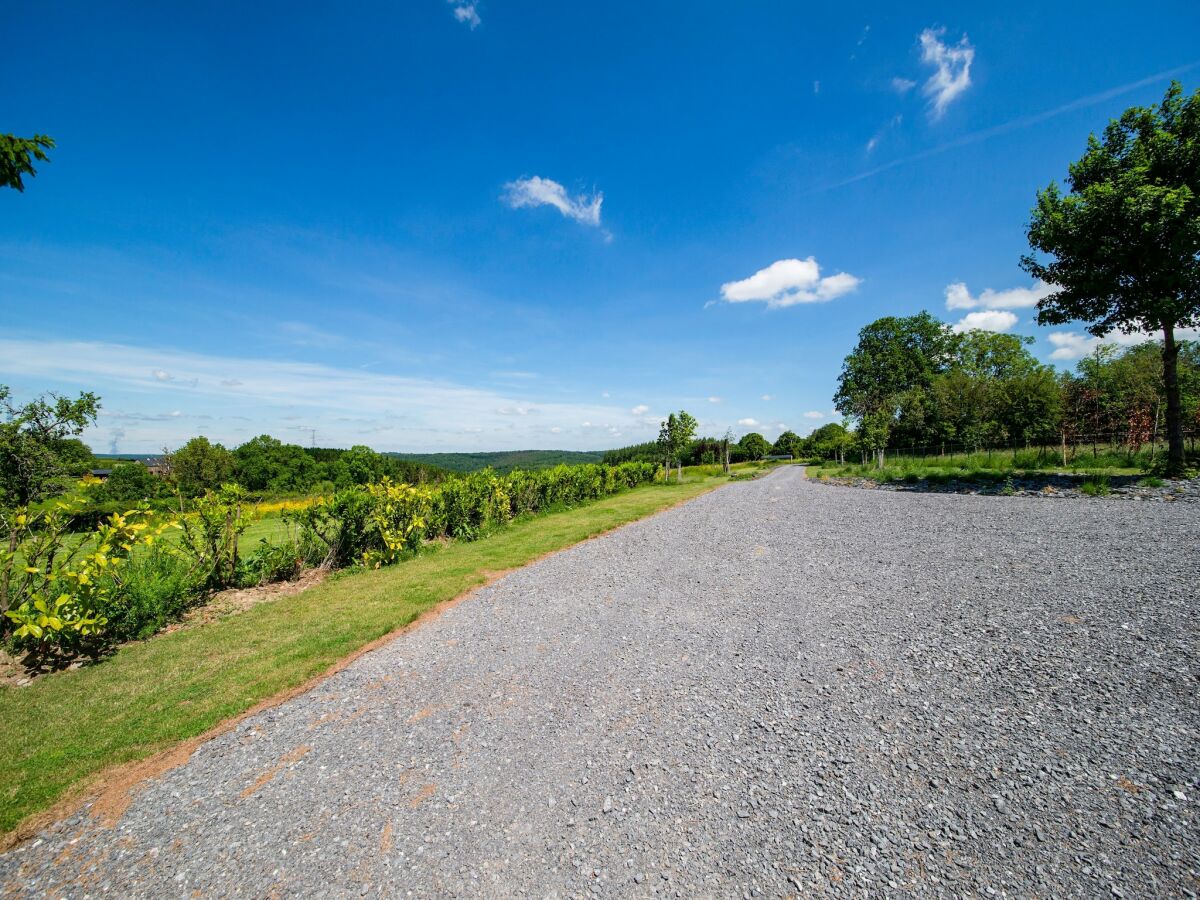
[[238, 600]]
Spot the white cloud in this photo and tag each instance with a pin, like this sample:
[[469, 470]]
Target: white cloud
[[605, 394], [902, 85], [958, 297], [748, 423], [985, 320], [714, 399], [788, 282], [467, 13], [537, 191], [162, 374], [814, 414], [556, 430], [640, 410], [952, 69], [816, 87], [768, 397], [1073, 345]]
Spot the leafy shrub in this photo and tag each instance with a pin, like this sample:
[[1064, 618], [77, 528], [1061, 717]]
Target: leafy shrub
[[211, 534], [151, 590], [60, 593], [280, 561], [338, 525], [399, 516]]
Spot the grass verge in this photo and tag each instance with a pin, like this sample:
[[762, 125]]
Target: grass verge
[[59, 734]]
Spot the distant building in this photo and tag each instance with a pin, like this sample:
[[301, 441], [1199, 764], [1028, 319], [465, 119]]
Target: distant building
[[156, 465], [102, 474]]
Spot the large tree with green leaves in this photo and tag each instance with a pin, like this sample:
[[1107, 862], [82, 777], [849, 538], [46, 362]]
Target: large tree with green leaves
[[1124, 241], [17, 156], [754, 445], [37, 443], [889, 371], [200, 465]]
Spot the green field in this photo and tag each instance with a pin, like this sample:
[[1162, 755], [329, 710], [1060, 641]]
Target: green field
[[58, 733]]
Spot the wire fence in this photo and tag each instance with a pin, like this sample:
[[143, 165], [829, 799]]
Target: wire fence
[[1104, 449]]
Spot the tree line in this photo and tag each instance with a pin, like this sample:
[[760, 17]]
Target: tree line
[[912, 382]]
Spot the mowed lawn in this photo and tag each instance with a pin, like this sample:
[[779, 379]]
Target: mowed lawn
[[57, 734]]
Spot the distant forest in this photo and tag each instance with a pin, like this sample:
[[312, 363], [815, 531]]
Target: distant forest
[[502, 460]]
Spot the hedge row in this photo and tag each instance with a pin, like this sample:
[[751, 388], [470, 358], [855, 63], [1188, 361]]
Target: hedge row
[[375, 524]]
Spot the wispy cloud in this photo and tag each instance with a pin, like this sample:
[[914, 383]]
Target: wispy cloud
[[788, 282], [747, 423], [814, 414], [640, 410], [347, 405], [466, 12], [537, 191], [903, 85], [893, 122], [1012, 125], [951, 69]]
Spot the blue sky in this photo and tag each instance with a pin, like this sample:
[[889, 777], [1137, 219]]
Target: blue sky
[[498, 224]]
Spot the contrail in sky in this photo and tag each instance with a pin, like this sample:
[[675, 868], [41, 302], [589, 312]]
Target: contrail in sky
[[1015, 124]]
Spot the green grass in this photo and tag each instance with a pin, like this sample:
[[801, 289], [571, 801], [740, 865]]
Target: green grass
[[1095, 486], [988, 467], [60, 732]]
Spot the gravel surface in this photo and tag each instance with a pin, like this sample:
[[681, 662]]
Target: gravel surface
[[775, 689]]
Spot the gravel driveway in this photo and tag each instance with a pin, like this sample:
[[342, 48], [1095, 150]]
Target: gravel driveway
[[779, 688]]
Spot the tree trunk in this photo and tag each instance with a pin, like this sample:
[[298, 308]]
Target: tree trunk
[[1174, 410], [679, 471]]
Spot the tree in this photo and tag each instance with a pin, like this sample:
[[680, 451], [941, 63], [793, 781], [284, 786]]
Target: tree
[[829, 442], [1125, 239], [130, 481], [266, 463], [665, 430], [893, 361], [37, 448], [787, 443], [682, 436], [17, 156], [754, 445], [200, 466], [675, 436]]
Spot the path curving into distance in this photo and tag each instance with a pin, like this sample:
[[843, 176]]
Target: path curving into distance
[[778, 687]]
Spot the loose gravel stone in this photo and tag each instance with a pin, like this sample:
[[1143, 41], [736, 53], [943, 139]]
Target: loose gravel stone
[[1055, 486], [777, 688]]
